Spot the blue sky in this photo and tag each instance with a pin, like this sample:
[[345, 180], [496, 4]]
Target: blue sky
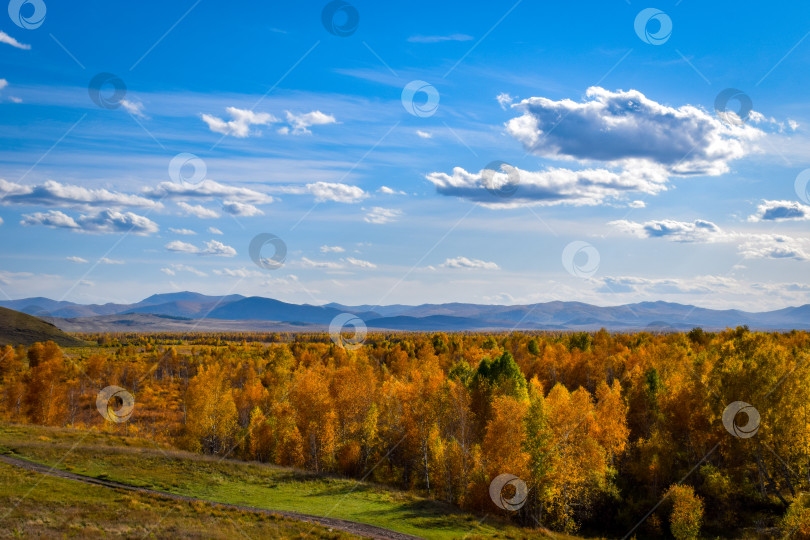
[[622, 182]]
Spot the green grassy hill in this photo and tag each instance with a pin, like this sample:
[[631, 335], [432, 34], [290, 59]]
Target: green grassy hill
[[17, 328], [146, 464]]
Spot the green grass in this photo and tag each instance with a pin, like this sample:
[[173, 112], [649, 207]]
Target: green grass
[[33, 505], [142, 463]]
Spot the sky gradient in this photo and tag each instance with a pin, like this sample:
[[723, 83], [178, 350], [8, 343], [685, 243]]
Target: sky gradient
[[422, 152]]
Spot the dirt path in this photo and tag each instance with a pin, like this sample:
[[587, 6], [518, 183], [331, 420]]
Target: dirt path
[[360, 529]]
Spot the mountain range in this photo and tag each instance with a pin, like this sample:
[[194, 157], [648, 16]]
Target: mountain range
[[201, 312]]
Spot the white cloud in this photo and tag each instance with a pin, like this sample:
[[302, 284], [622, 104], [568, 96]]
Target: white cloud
[[327, 265], [637, 204], [108, 221], [197, 210], [105, 260], [134, 108], [380, 215], [774, 246], [207, 189], [174, 268], [679, 231], [504, 100], [301, 122], [330, 191], [464, 262], [511, 187], [359, 263], [212, 247], [185, 232], [424, 134], [3, 83], [15, 99], [241, 209], [76, 259], [388, 191], [332, 249], [240, 273], [7, 39], [53, 193], [781, 211], [613, 127], [214, 230], [241, 120], [750, 246], [439, 39]]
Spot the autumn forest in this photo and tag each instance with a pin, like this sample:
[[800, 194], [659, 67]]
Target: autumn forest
[[612, 434]]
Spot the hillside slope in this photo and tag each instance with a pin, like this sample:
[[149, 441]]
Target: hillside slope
[[17, 328]]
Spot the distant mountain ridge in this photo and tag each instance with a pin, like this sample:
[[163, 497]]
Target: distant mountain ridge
[[556, 315]]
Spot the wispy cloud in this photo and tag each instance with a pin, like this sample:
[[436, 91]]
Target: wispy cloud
[[439, 39], [465, 263], [7, 39], [240, 123], [106, 222], [212, 247], [197, 210]]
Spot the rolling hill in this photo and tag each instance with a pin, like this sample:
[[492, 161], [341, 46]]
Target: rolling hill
[[210, 313], [17, 328]]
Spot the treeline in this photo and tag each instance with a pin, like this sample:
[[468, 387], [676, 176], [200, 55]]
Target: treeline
[[600, 427]]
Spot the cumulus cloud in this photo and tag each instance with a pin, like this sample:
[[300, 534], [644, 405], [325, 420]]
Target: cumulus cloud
[[76, 259], [240, 123], [108, 221], [214, 230], [359, 263], [622, 142], [679, 231], [332, 249], [750, 246], [439, 39], [464, 262], [616, 126], [550, 187], [8, 40], [300, 123], [781, 211], [329, 191], [212, 247], [197, 210], [237, 208], [53, 193], [388, 191], [637, 204], [207, 189], [172, 270], [380, 215], [184, 232]]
